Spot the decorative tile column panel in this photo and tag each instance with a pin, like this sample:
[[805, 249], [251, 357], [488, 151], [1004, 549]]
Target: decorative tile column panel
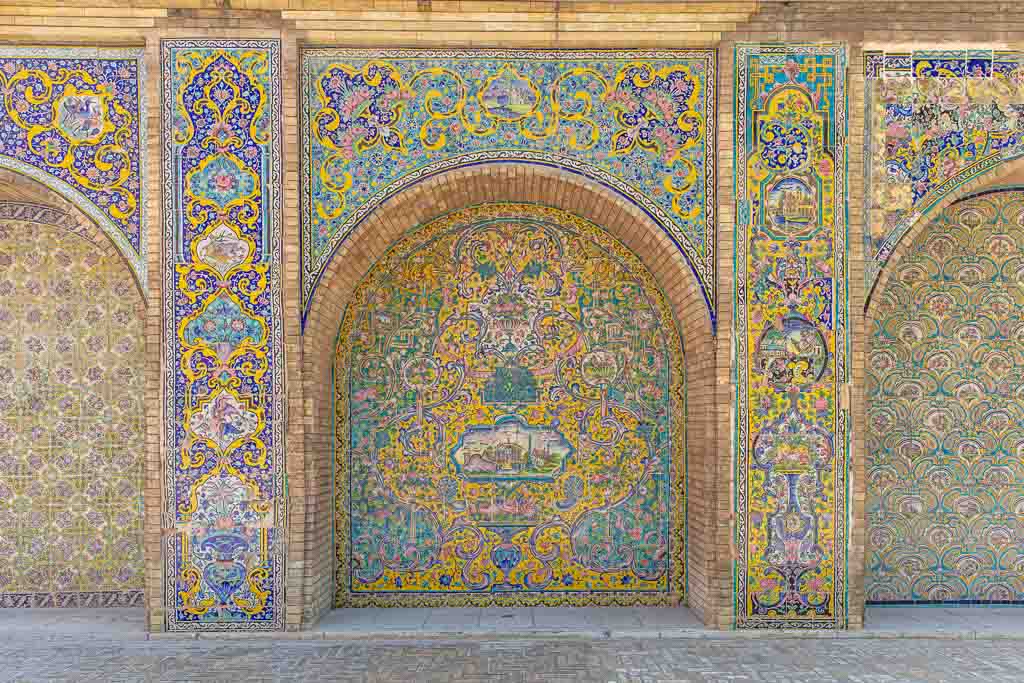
[[223, 353], [791, 340]]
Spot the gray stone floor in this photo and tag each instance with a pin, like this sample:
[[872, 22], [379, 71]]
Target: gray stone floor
[[961, 623], [603, 645], [517, 660], [497, 622]]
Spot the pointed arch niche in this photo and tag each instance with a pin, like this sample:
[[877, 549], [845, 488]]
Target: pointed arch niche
[[72, 406], [938, 403], [549, 189]]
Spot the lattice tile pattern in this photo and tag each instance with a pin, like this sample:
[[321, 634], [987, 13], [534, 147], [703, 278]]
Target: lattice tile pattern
[[71, 421]]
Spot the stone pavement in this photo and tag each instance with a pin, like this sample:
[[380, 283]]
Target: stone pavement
[[515, 660], [962, 623], [938, 644]]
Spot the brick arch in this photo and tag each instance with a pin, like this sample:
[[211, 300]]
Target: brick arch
[[25, 198], [588, 173], [441, 195]]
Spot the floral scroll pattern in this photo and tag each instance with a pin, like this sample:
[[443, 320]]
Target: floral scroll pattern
[[225, 477], [935, 119], [509, 420], [945, 474], [791, 337], [71, 426], [376, 122], [74, 119]]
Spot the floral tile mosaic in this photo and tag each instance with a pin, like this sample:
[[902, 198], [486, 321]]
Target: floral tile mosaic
[[945, 446], [510, 420], [791, 336], [223, 351], [71, 420], [934, 120], [638, 122], [73, 118]]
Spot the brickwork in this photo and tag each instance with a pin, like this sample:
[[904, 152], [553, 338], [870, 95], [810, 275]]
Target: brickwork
[[541, 23]]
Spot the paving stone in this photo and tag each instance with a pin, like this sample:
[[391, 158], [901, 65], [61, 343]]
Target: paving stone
[[695, 660], [507, 619]]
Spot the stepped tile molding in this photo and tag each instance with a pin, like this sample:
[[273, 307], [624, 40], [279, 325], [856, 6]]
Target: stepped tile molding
[[223, 352], [74, 119], [791, 334], [376, 122], [935, 119]]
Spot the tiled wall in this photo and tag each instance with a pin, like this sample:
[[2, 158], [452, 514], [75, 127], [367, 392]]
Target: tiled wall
[[378, 122], [225, 474], [304, 405], [791, 323], [71, 420], [945, 476], [510, 420]]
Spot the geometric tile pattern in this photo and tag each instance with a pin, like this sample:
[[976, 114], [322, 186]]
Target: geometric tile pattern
[[934, 120], [510, 420], [791, 336], [223, 352], [73, 119], [376, 122], [945, 444], [71, 425]]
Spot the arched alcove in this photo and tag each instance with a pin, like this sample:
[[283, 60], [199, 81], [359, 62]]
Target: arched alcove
[[1004, 175], [72, 415], [452, 192], [509, 420], [944, 402]]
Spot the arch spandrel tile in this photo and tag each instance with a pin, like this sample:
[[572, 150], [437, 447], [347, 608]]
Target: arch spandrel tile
[[920, 149], [74, 119], [377, 122]]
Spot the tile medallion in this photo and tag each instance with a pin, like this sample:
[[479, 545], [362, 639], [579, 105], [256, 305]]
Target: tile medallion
[[224, 346], [72, 377], [376, 122], [934, 120], [510, 415], [791, 336], [945, 377], [73, 119]]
